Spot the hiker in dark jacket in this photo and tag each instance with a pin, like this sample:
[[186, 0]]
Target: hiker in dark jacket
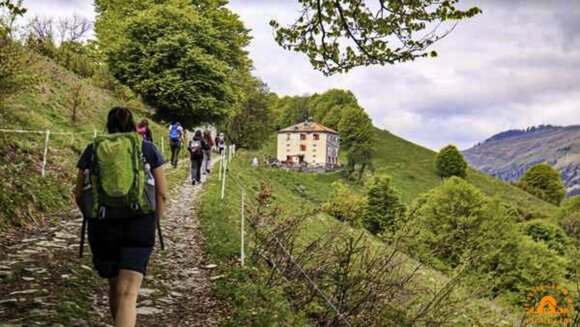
[[208, 145], [121, 247], [195, 148]]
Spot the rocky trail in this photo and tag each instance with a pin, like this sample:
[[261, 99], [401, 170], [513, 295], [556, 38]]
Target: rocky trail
[[44, 283]]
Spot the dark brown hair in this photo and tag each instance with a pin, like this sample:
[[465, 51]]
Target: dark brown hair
[[120, 120], [143, 123]]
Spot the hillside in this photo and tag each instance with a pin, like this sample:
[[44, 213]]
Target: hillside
[[25, 196], [509, 154], [413, 171], [257, 301]]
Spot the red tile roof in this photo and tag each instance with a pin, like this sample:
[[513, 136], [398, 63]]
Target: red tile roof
[[307, 127]]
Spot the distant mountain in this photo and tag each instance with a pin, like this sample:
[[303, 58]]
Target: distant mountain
[[509, 154]]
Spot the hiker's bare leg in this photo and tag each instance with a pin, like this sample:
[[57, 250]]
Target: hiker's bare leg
[[113, 296], [128, 287]]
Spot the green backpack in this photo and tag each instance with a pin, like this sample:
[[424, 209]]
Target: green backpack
[[117, 176]]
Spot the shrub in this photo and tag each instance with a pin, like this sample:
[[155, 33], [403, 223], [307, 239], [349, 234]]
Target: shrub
[[345, 205], [569, 217], [449, 222], [543, 181], [449, 162], [550, 234], [385, 208], [456, 225]]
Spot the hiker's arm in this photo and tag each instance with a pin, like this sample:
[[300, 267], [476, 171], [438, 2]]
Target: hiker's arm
[[160, 189], [79, 188]]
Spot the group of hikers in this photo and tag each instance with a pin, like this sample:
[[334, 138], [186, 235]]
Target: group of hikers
[[199, 147], [121, 191]]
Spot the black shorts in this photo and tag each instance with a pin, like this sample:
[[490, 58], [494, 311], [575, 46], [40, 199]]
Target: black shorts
[[121, 244]]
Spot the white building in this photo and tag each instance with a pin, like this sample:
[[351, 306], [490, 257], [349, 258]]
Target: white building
[[308, 143]]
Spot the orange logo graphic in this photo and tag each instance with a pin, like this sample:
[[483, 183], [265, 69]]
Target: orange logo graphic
[[549, 304]]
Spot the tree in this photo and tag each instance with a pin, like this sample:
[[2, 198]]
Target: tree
[[543, 181], [456, 225], [385, 209], [449, 162], [251, 124], [9, 11], [345, 205], [568, 216], [356, 137], [338, 35], [181, 57], [552, 235], [13, 58]]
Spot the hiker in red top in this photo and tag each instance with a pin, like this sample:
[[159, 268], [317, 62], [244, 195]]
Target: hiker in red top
[[144, 130]]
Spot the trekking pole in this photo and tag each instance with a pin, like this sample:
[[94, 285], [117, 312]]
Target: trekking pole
[[83, 232], [159, 232], [45, 153]]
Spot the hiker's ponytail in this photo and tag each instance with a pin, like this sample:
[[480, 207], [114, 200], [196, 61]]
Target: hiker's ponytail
[[120, 120]]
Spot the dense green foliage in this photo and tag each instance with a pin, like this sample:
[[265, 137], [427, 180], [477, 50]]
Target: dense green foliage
[[357, 138], [182, 58], [385, 209], [545, 182], [456, 225], [251, 124], [346, 205], [550, 234], [450, 162], [340, 35], [568, 216]]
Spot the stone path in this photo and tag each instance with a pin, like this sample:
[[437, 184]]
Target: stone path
[[42, 281]]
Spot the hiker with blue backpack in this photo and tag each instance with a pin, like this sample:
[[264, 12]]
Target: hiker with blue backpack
[[176, 139], [121, 190], [196, 147]]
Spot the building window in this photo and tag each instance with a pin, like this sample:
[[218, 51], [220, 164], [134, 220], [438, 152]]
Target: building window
[[313, 150], [287, 136], [302, 147], [316, 137], [303, 137]]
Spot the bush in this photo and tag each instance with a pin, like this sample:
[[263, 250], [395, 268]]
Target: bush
[[457, 225], [553, 236], [449, 162], [569, 217], [449, 223], [385, 208], [13, 61], [345, 205], [543, 181]]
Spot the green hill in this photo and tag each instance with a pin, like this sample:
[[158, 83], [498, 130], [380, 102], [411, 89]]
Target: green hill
[[46, 105], [413, 171]]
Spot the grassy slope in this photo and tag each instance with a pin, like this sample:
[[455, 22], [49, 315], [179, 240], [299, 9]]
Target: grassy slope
[[252, 305], [24, 195], [413, 171]]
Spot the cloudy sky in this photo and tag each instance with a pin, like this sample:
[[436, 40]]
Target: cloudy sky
[[516, 65]]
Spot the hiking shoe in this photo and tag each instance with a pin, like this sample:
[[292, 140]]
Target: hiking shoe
[[193, 182]]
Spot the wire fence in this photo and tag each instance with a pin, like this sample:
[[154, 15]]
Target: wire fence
[[236, 180], [48, 134]]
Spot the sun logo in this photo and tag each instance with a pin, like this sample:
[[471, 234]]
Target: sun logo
[[548, 306], [555, 305]]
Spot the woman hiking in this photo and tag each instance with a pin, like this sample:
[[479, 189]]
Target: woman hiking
[[208, 145], [121, 236], [196, 149], [144, 130]]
